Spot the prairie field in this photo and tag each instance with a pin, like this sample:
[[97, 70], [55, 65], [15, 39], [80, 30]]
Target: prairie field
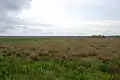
[[59, 58]]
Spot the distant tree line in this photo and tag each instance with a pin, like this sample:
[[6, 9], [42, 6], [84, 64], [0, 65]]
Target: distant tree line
[[98, 36]]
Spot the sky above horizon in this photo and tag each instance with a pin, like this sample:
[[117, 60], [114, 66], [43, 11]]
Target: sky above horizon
[[59, 17]]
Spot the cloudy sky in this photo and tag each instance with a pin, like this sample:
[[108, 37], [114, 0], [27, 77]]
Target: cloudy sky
[[59, 17]]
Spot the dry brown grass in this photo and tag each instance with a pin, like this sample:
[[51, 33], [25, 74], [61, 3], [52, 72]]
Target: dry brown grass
[[65, 47], [34, 56], [114, 69], [105, 58]]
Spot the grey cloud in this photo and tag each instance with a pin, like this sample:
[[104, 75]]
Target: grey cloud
[[14, 4], [37, 24], [97, 10], [9, 9]]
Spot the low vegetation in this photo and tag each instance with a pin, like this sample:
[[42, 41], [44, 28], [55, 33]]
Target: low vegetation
[[60, 58]]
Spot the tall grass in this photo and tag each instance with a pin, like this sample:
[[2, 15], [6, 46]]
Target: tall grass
[[59, 59], [15, 68]]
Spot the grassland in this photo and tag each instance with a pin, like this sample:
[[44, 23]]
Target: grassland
[[59, 58]]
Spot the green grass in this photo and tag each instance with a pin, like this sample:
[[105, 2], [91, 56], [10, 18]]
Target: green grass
[[16, 39], [16, 68], [16, 65]]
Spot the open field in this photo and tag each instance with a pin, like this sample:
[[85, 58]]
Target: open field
[[59, 58]]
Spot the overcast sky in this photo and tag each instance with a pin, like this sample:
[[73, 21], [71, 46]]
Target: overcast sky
[[59, 17]]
